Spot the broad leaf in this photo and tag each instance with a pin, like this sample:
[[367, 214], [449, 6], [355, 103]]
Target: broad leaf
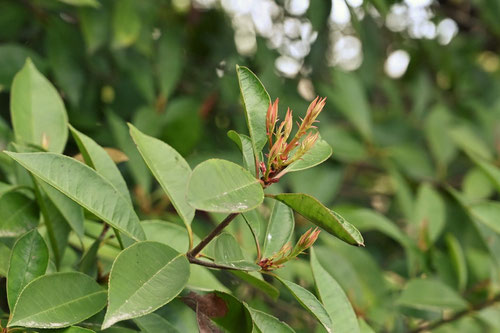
[[314, 211], [244, 143], [269, 324], [279, 229], [18, 214], [169, 168], [29, 260], [256, 101], [431, 295], [85, 186], [222, 186], [227, 252], [335, 300], [309, 302], [98, 159], [144, 277], [37, 111], [319, 153], [58, 300], [153, 323]]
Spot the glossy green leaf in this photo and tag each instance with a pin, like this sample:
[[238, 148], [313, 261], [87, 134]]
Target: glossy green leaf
[[85, 186], [169, 168], [18, 214], [99, 160], [269, 324], [227, 252], [256, 280], [29, 260], [153, 323], [224, 187], [256, 101], [430, 212], [457, 260], [244, 143], [310, 303], [314, 211], [37, 111], [279, 229], [319, 153], [77, 297], [487, 212], [430, 294], [144, 277], [334, 299]]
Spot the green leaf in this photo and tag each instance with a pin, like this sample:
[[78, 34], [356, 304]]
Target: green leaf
[[256, 280], [153, 323], [58, 300], [314, 211], [227, 252], [431, 295], [29, 260], [279, 229], [256, 101], [319, 153], [430, 213], [82, 3], [88, 262], [169, 168], [4, 259], [224, 187], [309, 302], [442, 147], [487, 212], [144, 277], [18, 214], [466, 138], [126, 23], [335, 300], [489, 169], [99, 160], [269, 324], [476, 185], [244, 143], [37, 111], [85, 186], [170, 61], [12, 59], [457, 260]]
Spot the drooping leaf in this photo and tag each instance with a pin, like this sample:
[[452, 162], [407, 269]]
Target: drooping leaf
[[77, 298], [335, 300], [85, 186], [269, 324], [18, 214], [98, 159], [309, 302], [244, 143], [144, 277], [222, 186], [256, 101], [37, 111], [152, 323], [319, 153], [314, 211], [430, 294], [279, 229], [169, 168], [227, 252], [29, 260]]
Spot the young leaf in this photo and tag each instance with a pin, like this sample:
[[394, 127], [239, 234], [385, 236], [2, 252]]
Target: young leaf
[[335, 300], [244, 143], [29, 260], [279, 229], [314, 211], [169, 168], [256, 101], [319, 153], [98, 159], [267, 323], [153, 323], [18, 214], [58, 300], [309, 302], [144, 277], [224, 187], [85, 186], [37, 111], [227, 252]]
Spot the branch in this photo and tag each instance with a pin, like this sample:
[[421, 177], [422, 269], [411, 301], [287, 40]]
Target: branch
[[433, 325]]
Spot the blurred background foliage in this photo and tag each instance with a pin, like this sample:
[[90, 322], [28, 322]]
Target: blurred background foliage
[[413, 116]]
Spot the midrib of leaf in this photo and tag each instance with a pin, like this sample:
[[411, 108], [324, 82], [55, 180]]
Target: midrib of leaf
[[231, 191], [57, 306], [25, 267]]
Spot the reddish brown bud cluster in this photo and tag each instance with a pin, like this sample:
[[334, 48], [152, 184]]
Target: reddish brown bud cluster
[[279, 157], [287, 253]]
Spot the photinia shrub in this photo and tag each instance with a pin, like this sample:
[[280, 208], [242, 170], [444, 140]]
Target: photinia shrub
[[131, 273]]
